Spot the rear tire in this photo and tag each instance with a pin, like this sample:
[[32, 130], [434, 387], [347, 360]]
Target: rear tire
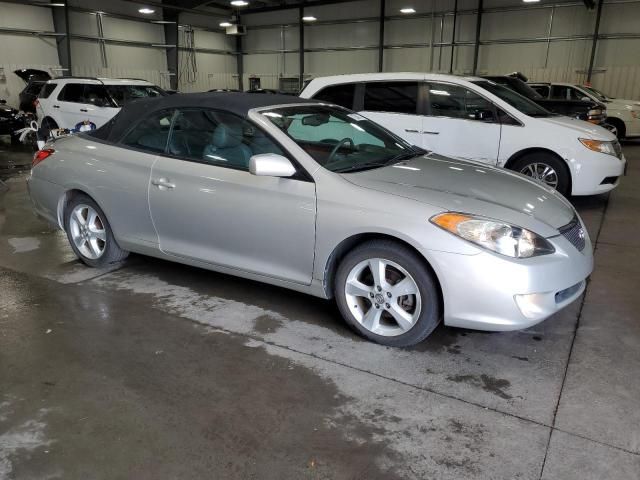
[[90, 234], [546, 168], [399, 306]]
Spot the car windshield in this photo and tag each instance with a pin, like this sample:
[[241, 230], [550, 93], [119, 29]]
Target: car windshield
[[123, 94], [340, 140], [598, 94], [514, 99]]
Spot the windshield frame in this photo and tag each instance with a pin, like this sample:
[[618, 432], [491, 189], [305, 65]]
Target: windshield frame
[[407, 150], [600, 96], [537, 111]]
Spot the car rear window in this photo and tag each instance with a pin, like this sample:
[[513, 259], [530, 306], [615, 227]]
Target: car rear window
[[47, 89]]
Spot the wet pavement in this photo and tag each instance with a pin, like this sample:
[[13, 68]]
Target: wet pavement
[[158, 370]]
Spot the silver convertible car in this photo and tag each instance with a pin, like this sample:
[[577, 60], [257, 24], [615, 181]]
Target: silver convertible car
[[316, 198]]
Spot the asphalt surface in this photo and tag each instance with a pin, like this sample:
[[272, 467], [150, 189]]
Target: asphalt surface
[[153, 370]]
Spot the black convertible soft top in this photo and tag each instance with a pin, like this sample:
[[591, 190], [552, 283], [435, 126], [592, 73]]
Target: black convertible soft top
[[234, 102]]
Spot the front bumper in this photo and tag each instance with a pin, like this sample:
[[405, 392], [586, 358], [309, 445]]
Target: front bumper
[[496, 293], [592, 174]]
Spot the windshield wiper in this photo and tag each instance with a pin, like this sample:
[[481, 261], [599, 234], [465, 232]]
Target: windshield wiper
[[370, 165]]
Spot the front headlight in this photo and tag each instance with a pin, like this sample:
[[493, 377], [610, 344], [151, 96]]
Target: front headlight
[[599, 146], [494, 235]]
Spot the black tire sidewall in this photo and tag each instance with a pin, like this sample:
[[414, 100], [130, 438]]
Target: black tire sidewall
[[415, 265], [113, 253], [561, 168]]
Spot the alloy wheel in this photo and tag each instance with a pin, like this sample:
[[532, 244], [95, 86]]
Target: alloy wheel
[[541, 172], [88, 232], [383, 297]]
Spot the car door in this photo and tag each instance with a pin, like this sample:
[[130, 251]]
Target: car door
[[461, 123], [66, 107], [394, 105], [206, 205]]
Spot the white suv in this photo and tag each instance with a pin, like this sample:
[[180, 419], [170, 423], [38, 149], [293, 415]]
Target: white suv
[[623, 115], [476, 119], [67, 101]]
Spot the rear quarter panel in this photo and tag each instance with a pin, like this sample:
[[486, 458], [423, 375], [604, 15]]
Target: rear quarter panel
[[116, 178]]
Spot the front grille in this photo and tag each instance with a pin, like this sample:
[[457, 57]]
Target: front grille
[[567, 293], [574, 232], [609, 181]]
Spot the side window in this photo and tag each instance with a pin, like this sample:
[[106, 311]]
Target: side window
[[396, 97], [151, 134], [72, 92], [96, 95], [565, 93], [47, 90], [454, 101], [339, 94], [542, 90], [218, 138]]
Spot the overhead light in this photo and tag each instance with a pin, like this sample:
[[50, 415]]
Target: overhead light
[[226, 24], [309, 18], [530, 1], [239, 3], [408, 10], [146, 11], [162, 22]]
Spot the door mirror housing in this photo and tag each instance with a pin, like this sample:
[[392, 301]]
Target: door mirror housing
[[271, 165], [585, 99]]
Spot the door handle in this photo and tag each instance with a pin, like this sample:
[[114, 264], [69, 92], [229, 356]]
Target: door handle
[[84, 110], [410, 130], [431, 133], [162, 183], [56, 106]]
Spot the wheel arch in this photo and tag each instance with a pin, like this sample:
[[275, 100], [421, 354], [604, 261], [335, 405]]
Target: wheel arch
[[533, 150], [619, 124], [348, 244]]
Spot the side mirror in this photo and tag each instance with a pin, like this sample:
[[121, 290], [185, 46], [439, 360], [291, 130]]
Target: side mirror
[[585, 99], [483, 115], [3, 101], [271, 165]]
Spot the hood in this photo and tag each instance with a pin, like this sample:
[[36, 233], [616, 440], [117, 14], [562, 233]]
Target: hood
[[27, 74], [624, 103], [580, 127], [474, 188]]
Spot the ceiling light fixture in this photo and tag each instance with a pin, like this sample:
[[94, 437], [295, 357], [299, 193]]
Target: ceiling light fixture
[[408, 10], [146, 10], [530, 1], [309, 18], [239, 3], [226, 24]]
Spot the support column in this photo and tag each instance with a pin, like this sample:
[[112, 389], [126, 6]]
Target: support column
[[453, 35], [476, 49], [381, 38], [63, 43], [594, 45], [171, 37], [301, 47]]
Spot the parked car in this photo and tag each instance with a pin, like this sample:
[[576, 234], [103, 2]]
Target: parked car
[[318, 199], [587, 110], [34, 80], [623, 115], [65, 102], [476, 119], [10, 121]]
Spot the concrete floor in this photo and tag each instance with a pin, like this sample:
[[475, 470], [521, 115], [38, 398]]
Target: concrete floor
[[155, 370]]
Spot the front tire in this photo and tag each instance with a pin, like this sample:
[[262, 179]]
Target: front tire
[[387, 294], [90, 234], [545, 168]]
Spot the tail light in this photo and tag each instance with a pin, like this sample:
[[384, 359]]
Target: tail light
[[41, 155]]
